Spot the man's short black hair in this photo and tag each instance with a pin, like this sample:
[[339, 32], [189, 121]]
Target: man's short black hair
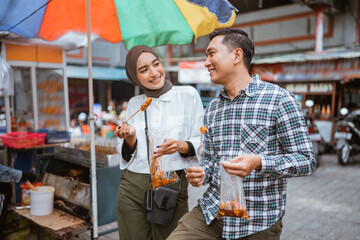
[[236, 38]]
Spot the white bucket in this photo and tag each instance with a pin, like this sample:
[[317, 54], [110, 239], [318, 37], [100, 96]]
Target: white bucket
[[42, 201]]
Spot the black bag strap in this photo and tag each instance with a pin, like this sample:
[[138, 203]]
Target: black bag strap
[[147, 137], [148, 143]]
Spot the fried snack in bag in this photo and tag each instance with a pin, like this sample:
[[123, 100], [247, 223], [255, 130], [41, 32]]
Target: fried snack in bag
[[159, 175], [232, 198]]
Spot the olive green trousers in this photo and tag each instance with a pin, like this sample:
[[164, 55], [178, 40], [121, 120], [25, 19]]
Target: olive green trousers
[[131, 212], [192, 226]]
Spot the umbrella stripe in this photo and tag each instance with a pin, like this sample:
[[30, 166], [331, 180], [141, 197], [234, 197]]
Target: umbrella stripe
[[70, 15], [222, 9], [152, 23], [201, 20], [22, 17]]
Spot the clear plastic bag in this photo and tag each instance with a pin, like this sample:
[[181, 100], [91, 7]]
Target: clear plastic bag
[[160, 175], [232, 198], [6, 79]]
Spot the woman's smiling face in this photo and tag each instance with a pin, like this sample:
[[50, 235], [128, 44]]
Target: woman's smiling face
[[150, 71]]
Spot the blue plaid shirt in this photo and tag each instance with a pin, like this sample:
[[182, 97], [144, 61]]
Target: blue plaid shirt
[[266, 120]]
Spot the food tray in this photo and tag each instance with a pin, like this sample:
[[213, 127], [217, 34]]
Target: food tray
[[83, 157], [54, 136], [21, 140]]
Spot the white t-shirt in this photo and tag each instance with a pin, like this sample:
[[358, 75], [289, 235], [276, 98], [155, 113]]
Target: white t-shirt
[[177, 114]]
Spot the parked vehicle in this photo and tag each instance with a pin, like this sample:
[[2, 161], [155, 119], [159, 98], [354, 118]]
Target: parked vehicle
[[347, 135], [316, 139]]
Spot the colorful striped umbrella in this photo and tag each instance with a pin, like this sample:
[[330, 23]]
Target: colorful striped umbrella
[[148, 22]]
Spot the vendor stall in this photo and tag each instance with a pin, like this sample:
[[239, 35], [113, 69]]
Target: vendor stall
[[320, 77], [41, 89]]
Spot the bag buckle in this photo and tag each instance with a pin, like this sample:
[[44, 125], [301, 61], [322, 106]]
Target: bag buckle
[[149, 199]]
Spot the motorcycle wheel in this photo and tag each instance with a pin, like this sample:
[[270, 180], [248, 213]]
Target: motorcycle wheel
[[344, 154]]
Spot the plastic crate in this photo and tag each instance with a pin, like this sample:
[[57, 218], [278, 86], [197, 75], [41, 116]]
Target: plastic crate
[[21, 140], [54, 136]]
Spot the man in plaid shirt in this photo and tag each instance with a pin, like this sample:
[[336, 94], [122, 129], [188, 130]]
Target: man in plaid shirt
[[261, 127]]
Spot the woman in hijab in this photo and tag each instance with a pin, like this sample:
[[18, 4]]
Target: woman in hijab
[[176, 111]]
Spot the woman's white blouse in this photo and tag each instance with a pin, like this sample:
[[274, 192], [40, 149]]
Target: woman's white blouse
[[177, 114]]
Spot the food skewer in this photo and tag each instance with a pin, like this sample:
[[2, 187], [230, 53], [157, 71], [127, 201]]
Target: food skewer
[[142, 108], [202, 130]]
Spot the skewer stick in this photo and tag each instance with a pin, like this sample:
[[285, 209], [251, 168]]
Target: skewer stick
[[142, 108], [131, 117], [200, 149], [202, 130]]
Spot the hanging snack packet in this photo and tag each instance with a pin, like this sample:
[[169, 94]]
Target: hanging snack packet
[[159, 176], [232, 198]]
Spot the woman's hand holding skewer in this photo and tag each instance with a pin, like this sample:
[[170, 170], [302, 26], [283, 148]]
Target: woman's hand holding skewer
[[128, 132]]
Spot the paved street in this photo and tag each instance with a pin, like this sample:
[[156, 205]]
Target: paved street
[[324, 206]]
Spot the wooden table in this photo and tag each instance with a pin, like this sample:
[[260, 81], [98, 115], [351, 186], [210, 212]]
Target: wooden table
[[59, 224]]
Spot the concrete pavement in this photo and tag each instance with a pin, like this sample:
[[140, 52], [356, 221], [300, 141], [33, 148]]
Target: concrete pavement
[[325, 205]]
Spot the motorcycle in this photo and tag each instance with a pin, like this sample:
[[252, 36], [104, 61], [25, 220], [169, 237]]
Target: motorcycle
[[316, 139], [347, 135]]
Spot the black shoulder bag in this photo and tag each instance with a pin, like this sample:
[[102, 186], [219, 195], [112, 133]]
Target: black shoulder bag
[[159, 202]]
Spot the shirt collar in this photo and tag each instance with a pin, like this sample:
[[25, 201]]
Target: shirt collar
[[166, 97], [250, 89]]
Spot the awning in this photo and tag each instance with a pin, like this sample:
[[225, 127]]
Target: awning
[[331, 65], [331, 54], [98, 73]]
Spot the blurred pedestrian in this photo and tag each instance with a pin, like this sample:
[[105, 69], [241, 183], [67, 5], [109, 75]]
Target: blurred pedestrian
[[112, 107], [75, 128], [263, 127], [123, 111]]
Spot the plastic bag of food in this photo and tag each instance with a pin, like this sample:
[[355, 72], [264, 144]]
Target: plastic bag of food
[[160, 176], [232, 198]]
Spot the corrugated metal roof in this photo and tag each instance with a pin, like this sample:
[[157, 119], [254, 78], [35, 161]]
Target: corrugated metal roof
[[309, 56]]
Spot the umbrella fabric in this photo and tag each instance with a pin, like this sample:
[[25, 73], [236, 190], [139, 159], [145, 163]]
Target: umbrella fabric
[[152, 23]]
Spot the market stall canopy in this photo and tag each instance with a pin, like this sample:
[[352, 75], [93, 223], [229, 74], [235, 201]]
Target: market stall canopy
[[98, 73], [152, 23], [330, 65]]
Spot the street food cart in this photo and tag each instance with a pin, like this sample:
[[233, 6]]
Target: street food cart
[[41, 100], [67, 169], [41, 89]]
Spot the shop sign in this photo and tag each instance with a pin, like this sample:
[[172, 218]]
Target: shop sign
[[321, 87], [335, 69], [193, 73], [298, 88]]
